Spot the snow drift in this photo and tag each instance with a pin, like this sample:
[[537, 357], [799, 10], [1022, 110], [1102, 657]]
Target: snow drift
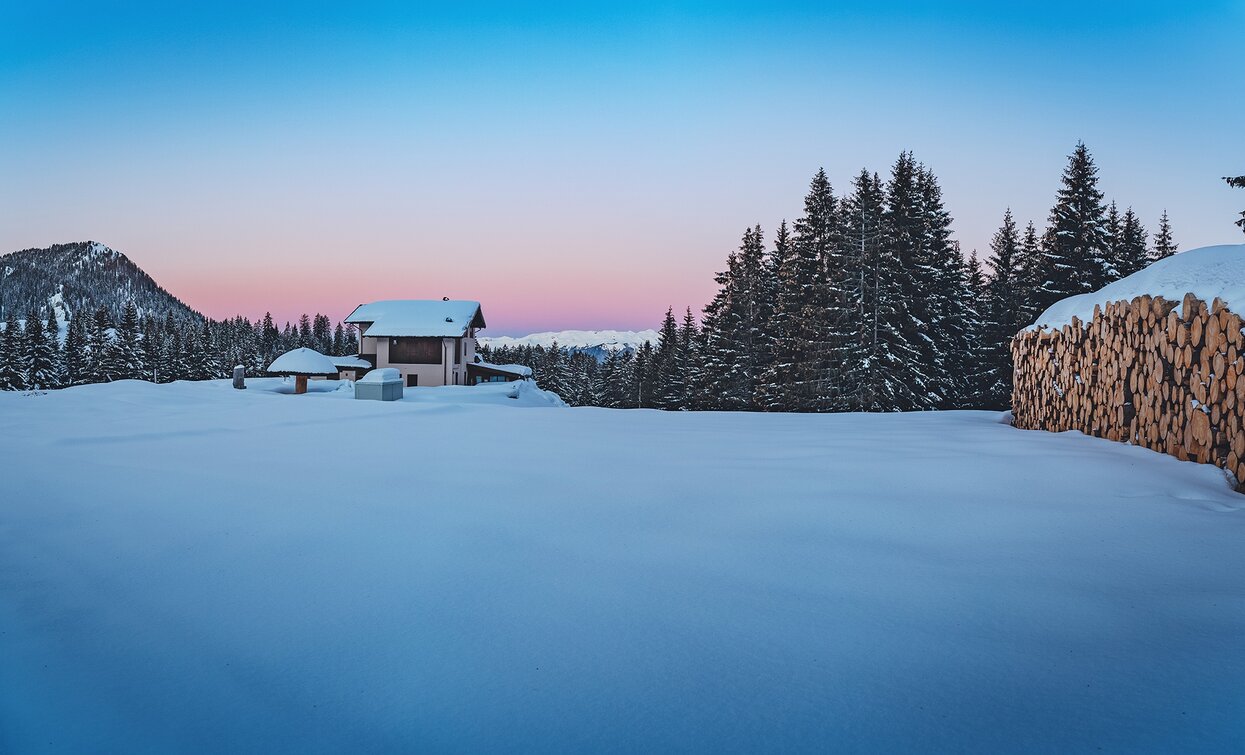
[[190, 568]]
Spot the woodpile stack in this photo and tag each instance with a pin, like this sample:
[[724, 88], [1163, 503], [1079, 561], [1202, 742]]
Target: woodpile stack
[[1145, 372]]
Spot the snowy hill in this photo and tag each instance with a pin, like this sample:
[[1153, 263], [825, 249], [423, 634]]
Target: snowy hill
[[215, 573], [69, 277], [595, 342], [1208, 272]]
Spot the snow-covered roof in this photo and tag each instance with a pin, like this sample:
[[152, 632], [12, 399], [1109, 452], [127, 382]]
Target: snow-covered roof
[[1208, 272], [521, 370], [349, 362], [303, 361], [418, 317], [383, 375]]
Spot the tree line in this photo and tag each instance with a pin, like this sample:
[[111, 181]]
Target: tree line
[[96, 349], [865, 303]]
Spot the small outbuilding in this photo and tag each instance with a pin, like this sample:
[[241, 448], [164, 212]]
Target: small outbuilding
[[484, 372], [351, 367], [302, 363], [384, 384]]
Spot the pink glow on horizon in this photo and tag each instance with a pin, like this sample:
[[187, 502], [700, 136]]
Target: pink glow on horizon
[[512, 306]]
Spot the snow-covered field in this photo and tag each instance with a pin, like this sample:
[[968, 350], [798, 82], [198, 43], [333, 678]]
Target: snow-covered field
[[192, 568]]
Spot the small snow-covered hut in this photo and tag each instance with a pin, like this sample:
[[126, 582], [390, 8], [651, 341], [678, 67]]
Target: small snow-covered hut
[[384, 384], [302, 363]]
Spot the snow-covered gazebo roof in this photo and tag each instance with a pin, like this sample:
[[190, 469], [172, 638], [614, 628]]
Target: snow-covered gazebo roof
[[302, 361]]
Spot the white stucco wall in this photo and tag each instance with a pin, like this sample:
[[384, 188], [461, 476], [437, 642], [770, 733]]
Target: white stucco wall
[[428, 374]]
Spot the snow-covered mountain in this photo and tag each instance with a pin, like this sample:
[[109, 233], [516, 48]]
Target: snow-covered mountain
[[69, 277], [595, 342]]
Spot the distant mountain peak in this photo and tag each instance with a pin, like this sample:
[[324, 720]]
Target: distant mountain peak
[[66, 278], [578, 339]]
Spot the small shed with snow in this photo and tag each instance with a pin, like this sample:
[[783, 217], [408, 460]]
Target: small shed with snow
[[384, 384], [484, 372]]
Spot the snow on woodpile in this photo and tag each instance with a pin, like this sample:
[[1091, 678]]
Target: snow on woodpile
[[1209, 272], [302, 361]]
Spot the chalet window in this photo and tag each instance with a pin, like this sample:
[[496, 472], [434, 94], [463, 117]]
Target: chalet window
[[415, 350], [412, 381], [460, 348]]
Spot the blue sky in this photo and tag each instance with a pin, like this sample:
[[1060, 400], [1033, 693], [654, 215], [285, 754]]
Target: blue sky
[[572, 165]]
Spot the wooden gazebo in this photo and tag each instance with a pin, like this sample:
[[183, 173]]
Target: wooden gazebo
[[302, 363]]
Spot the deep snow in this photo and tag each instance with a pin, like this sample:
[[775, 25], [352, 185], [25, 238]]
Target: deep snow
[[1207, 272], [192, 568]]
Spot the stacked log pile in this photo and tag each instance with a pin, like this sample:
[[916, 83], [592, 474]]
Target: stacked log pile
[[1145, 372]]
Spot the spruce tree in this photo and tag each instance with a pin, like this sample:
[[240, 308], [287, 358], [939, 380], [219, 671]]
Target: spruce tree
[[975, 371], [735, 338], [152, 349], [51, 332], [12, 355], [1004, 311], [875, 372], [1075, 245], [339, 341], [908, 248], [1113, 239], [1164, 245], [670, 387], [950, 324], [75, 351], [40, 362], [129, 347], [305, 339], [1032, 263], [1131, 253], [800, 375]]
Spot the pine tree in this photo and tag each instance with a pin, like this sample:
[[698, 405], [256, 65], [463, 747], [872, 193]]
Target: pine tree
[[908, 248], [950, 335], [304, 332], [153, 348], [670, 387], [735, 345], [975, 370], [12, 355], [798, 378], [98, 347], [1132, 253], [1032, 262], [129, 348], [339, 341], [870, 370], [75, 351], [1075, 245], [689, 356], [40, 364], [1004, 311], [1164, 246], [1113, 239], [51, 332]]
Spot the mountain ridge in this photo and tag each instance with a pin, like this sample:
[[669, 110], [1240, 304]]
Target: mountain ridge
[[67, 278]]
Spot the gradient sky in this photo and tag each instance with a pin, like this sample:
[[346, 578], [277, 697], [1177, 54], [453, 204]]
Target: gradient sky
[[574, 166]]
